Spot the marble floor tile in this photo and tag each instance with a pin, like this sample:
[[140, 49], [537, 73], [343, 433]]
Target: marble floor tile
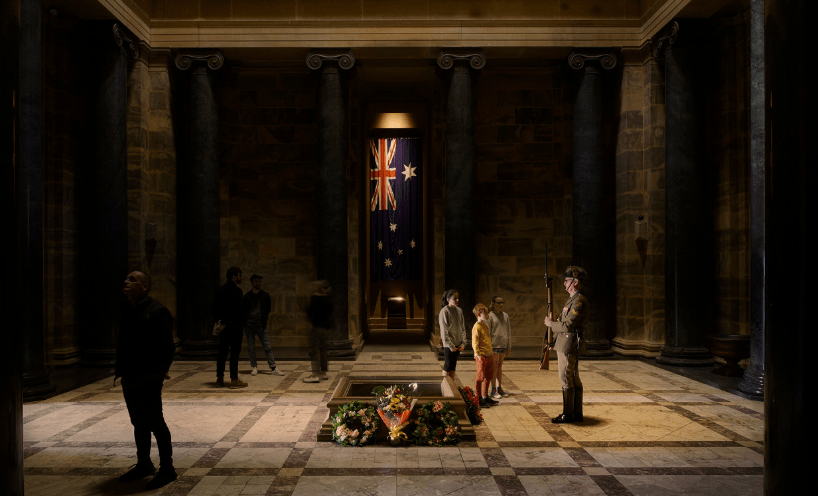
[[699, 485], [559, 484], [646, 430], [346, 486], [455, 485], [254, 458], [538, 457]]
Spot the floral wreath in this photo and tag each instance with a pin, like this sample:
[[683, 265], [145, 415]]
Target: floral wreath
[[436, 425], [354, 424], [472, 405]]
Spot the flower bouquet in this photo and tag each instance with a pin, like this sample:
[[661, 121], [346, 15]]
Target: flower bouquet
[[395, 404], [472, 405], [436, 425], [354, 424]]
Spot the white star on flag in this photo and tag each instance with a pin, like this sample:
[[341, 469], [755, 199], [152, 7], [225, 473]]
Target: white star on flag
[[400, 252], [387, 262], [380, 245], [412, 243], [408, 172], [392, 227]]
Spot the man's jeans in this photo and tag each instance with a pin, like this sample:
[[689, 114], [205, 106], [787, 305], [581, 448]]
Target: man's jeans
[[261, 332]]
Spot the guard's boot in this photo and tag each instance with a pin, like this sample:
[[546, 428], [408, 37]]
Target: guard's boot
[[567, 415], [578, 404]]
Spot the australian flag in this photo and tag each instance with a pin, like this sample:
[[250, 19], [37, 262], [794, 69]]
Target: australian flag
[[396, 209]]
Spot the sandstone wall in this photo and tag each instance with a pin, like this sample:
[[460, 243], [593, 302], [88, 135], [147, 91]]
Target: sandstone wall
[[152, 174]]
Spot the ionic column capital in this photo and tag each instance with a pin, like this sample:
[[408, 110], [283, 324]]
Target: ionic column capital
[[316, 58], [446, 58], [578, 59], [125, 40], [212, 58], [665, 39]]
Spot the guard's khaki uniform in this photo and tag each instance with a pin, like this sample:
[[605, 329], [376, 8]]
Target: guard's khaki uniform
[[567, 328]]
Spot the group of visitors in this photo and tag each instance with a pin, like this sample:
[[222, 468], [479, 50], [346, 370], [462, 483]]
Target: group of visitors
[[145, 350], [491, 342], [236, 313]]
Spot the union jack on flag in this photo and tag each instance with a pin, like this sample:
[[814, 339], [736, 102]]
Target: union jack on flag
[[384, 152]]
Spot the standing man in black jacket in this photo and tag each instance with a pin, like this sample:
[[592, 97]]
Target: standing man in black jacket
[[144, 353], [255, 307], [227, 310]]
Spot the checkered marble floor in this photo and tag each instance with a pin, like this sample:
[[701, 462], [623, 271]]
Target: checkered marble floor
[[646, 432]]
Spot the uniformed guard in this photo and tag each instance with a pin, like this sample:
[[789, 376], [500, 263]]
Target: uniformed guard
[[569, 329]]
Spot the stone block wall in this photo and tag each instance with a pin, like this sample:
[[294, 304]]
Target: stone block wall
[[63, 141], [152, 174], [267, 139], [523, 132], [640, 190], [728, 153]]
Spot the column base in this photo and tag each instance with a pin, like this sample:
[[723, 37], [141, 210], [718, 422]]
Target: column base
[[341, 348], [101, 357], [200, 348], [685, 357], [753, 382], [37, 383], [597, 348]]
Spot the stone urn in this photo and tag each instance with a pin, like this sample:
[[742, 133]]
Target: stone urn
[[732, 348]]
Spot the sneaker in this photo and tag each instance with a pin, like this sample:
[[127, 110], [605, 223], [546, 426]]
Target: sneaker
[[237, 384], [162, 478], [502, 392], [254, 371], [491, 401], [495, 394], [276, 372], [137, 472], [483, 404], [312, 378], [220, 382], [323, 376]]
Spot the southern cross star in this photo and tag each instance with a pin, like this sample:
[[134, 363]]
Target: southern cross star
[[392, 227], [412, 243], [387, 262], [380, 245], [400, 252], [408, 172]]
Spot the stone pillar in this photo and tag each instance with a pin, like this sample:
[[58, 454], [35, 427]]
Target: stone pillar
[[11, 343], [790, 126], [106, 245], [198, 220], [36, 379], [460, 250], [753, 382], [589, 212], [687, 272], [331, 191]]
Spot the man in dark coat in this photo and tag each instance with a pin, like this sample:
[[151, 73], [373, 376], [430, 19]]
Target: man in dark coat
[[226, 309], [144, 354], [255, 308]]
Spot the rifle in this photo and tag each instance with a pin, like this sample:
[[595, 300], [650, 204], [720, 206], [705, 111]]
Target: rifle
[[547, 343]]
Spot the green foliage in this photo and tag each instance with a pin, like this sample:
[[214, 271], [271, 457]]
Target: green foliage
[[354, 424]]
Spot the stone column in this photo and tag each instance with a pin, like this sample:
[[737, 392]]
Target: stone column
[[460, 251], [589, 212], [11, 343], [106, 203], [29, 195], [791, 104], [198, 205], [753, 382], [331, 191], [687, 272]]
